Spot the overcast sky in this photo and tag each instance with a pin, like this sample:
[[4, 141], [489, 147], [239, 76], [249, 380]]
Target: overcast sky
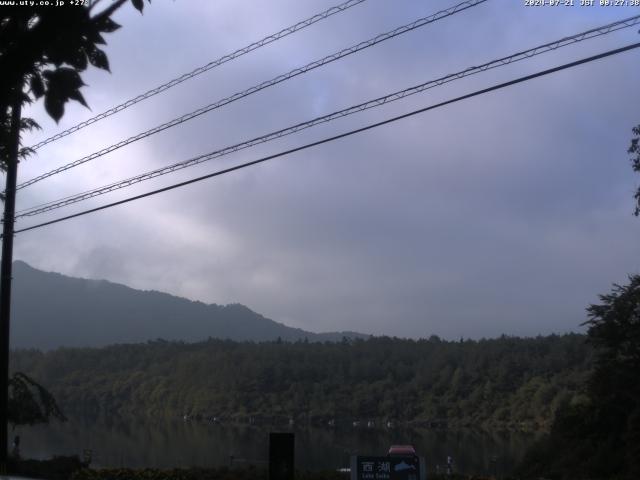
[[507, 213]]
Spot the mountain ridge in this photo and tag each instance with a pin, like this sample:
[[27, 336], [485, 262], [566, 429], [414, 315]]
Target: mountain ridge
[[95, 313]]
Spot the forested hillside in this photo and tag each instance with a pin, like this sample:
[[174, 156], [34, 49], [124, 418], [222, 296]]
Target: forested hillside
[[505, 382], [598, 435]]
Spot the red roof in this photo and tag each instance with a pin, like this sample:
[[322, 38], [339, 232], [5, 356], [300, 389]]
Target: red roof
[[402, 450]]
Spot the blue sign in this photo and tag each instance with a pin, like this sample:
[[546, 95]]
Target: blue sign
[[388, 468]]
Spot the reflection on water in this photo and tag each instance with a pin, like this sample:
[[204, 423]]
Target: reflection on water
[[167, 443]]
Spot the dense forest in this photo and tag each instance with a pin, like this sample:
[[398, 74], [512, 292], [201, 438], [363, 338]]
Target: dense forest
[[598, 434], [500, 383]]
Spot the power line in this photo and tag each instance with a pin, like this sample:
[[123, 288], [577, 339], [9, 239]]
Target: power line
[[269, 83], [341, 113], [342, 135], [595, 32], [204, 68]]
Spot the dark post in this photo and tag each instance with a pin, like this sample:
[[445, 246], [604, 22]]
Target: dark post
[[5, 271], [281, 456]]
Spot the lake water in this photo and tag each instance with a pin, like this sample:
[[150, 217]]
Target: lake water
[[163, 444]]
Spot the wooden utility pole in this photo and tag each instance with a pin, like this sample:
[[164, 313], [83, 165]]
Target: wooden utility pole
[[6, 267]]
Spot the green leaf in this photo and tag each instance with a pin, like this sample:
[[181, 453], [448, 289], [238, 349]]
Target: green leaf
[[37, 87], [77, 96], [54, 106], [25, 152], [138, 4], [78, 60], [99, 59], [63, 81], [27, 123], [30, 403], [26, 99], [107, 25], [62, 85], [94, 37], [64, 77]]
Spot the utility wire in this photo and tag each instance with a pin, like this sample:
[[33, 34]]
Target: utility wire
[[342, 135], [269, 83], [204, 68], [595, 32]]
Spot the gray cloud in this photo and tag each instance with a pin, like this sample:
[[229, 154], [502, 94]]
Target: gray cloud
[[507, 213]]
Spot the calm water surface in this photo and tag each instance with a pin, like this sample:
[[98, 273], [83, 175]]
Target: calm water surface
[[163, 444]]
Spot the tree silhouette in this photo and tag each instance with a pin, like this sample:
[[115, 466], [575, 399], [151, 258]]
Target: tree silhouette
[[597, 434], [43, 51], [614, 390], [634, 149], [30, 403]]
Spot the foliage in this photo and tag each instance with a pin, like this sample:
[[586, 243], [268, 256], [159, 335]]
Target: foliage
[[634, 149], [614, 330], [221, 473], [46, 49], [30, 403], [599, 436], [57, 468], [506, 382]]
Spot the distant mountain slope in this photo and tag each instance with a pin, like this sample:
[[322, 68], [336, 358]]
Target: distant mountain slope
[[51, 310]]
